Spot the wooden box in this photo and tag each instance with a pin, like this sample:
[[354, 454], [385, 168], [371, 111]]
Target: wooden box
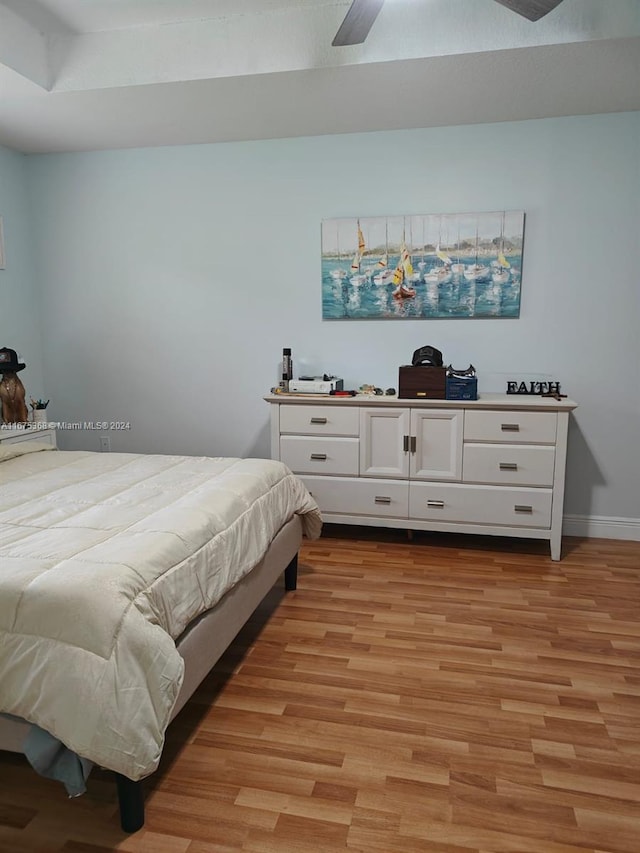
[[419, 382]]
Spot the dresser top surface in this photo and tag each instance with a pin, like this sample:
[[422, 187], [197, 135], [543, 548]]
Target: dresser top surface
[[529, 402]]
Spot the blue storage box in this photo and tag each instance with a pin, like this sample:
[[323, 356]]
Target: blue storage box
[[462, 388]]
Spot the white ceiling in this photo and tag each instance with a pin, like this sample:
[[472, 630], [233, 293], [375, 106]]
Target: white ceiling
[[94, 74]]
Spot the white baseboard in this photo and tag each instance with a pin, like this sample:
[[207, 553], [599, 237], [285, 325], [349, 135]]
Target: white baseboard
[[601, 527]]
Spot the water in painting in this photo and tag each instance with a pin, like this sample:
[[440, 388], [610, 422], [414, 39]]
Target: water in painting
[[423, 266]]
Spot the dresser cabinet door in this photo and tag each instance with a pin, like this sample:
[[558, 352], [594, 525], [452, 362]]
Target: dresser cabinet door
[[437, 444], [384, 442]]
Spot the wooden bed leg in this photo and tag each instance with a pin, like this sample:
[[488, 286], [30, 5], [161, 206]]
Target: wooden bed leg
[[291, 575], [131, 799]]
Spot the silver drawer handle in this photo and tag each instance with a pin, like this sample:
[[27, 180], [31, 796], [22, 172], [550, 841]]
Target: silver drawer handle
[[319, 456], [510, 427], [523, 508], [438, 504], [318, 420], [380, 500], [508, 466]]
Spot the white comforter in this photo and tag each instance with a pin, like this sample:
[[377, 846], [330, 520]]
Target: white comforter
[[104, 559]]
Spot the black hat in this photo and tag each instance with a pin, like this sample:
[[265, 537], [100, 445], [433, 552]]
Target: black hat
[[9, 361], [427, 356]]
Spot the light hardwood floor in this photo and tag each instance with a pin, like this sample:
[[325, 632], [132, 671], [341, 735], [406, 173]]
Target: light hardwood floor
[[446, 695]]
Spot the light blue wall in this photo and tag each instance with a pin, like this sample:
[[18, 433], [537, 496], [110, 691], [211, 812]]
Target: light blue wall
[[19, 314], [171, 278]]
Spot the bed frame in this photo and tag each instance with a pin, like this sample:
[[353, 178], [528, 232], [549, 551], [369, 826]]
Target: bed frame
[[201, 645]]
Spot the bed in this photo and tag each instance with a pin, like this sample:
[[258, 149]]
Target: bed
[[123, 578]]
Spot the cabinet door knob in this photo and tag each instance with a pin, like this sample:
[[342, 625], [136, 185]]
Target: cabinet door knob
[[523, 508], [436, 504], [318, 420], [381, 500], [319, 456], [510, 427], [508, 466]]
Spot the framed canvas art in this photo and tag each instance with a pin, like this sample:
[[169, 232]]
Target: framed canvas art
[[426, 266]]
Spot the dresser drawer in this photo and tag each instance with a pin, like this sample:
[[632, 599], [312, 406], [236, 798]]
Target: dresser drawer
[[508, 464], [385, 498], [320, 420], [510, 426], [42, 436], [322, 455], [480, 504]]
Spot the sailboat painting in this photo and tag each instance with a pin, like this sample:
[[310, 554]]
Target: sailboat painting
[[423, 266]]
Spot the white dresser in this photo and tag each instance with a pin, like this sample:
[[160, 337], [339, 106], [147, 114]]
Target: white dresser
[[495, 465], [10, 434]]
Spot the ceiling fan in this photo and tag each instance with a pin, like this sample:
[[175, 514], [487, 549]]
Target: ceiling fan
[[362, 13]]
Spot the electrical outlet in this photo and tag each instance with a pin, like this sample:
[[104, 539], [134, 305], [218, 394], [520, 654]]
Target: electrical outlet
[[105, 443]]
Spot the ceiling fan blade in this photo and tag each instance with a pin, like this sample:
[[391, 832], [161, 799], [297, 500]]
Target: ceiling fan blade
[[357, 22], [533, 10]]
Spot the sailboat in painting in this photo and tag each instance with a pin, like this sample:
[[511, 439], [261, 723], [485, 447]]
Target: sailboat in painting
[[402, 275], [422, 264], [499, 272], [384, 275], [339, 274], [440, 274], [357, 276], [476, 271], [457, 267], [500, 269]]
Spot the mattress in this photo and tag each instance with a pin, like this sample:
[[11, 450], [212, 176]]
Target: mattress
[[104, 560]]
